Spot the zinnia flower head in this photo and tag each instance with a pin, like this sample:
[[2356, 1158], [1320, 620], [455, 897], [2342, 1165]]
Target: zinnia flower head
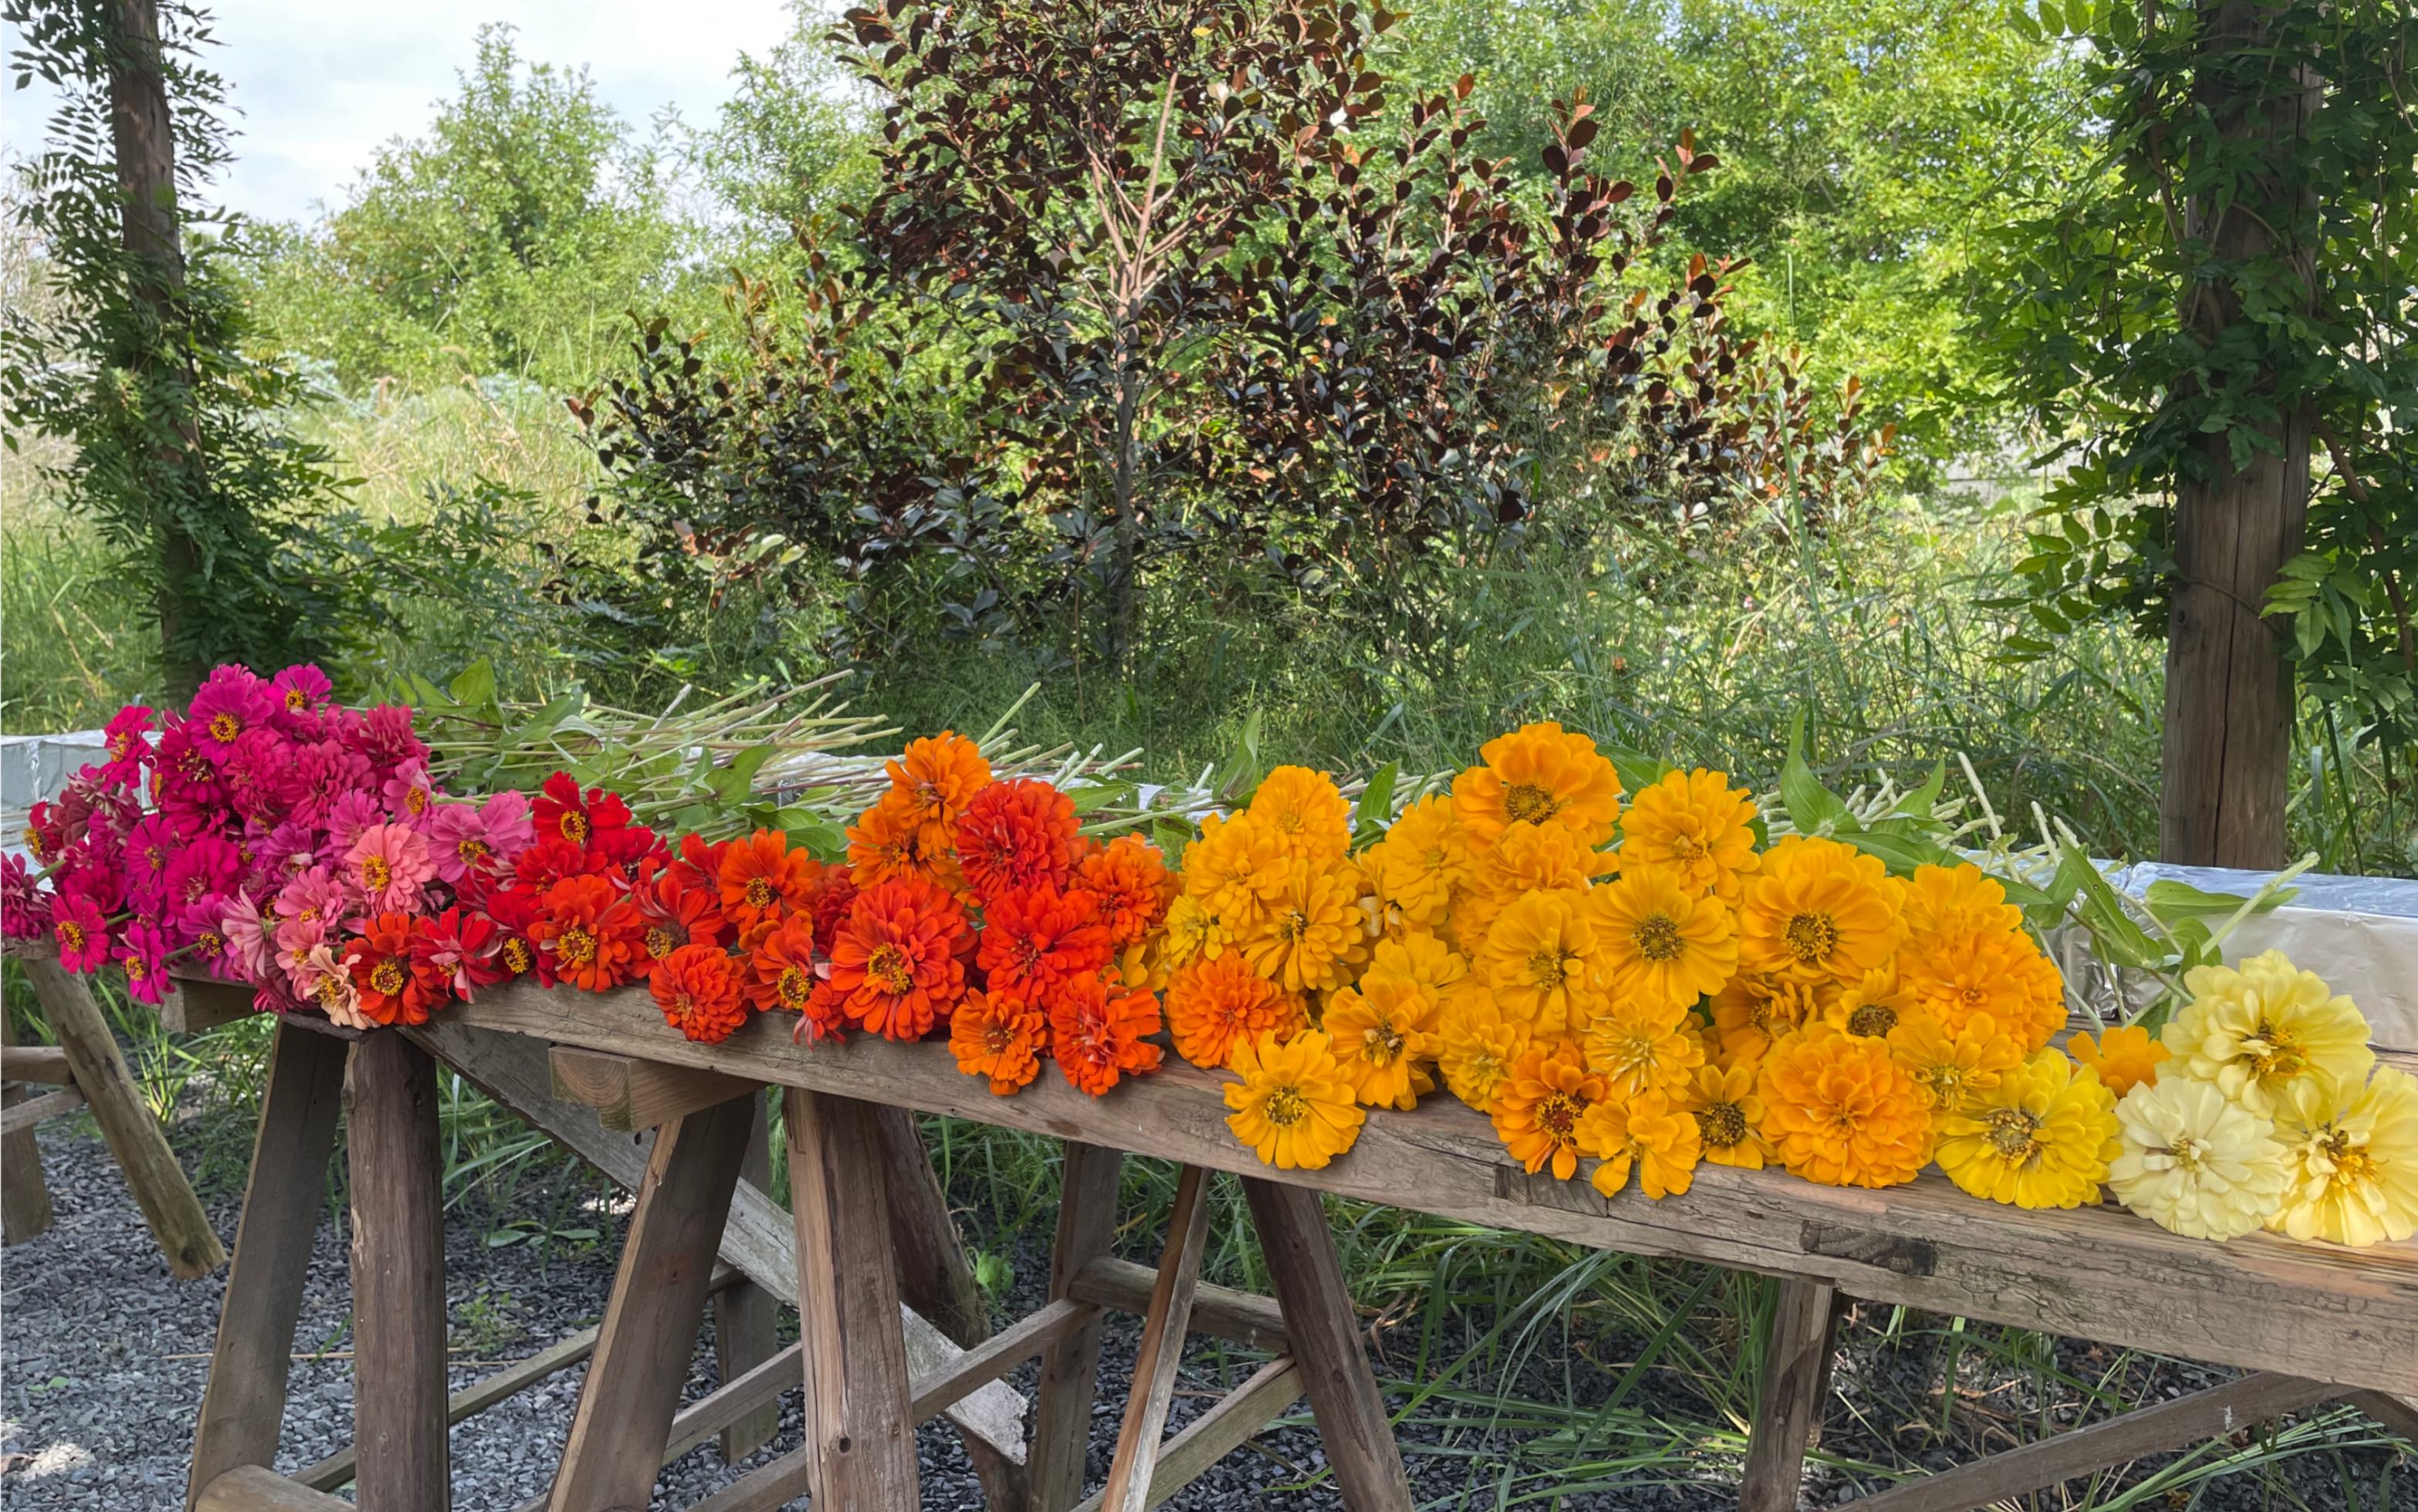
[[299, 689], [1381, 1032], [1539, 775], [780, 974], [590, 820], [1099, 1034], [1960, 899], [1838, 1110], [937, 777], [24, 912], [1213, 1005], [1698, 826], [1017, 835], [2041, 1137], [230, 702], [394, 986], [142, 954], [1728, 1115], [386, 867], [1640, 1046], [1311, 934], [83, 938], [697, 986], [1478, 1045], [1034, 941], [1308, 811], [1819, 911], [461, 946], [1293, 1103], [1424, 862], [1542, 962], [892, 840], [762, 880], [1131, 880], [2257, 1031], [998, 1038], [1236, 869], [1648, 1134], [590, 935], [1954, 976], [1526, 859], [1954, 1067], [410, 794], [2352, 1162], [2193, 1161], [1660, 945], [127, 738], [2123, 1057], [897, 964], [1420, 958], [1192, 933], [1538, 1111], [1756, 1009], [145, 858]]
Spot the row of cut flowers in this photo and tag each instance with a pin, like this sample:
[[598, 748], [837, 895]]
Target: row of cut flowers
[[1633, 985]]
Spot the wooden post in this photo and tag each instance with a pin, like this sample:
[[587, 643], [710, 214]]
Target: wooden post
[[1795, 1382], [24, 1197], [399, 1323], [631, 1393], [1062, 1416], [1324, 1334], [1141, 1434], [159, 1183], [858, 1429], [934, 1276], [745, 1332], [244, 1405]]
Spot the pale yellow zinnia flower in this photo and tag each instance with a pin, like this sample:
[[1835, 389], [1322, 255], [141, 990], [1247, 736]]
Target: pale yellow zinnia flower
[[2352, 1162], [2194, 1162], [2257, 1030]]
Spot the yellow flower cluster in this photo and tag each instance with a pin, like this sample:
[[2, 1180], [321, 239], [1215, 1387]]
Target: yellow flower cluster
[[2267, 1114]]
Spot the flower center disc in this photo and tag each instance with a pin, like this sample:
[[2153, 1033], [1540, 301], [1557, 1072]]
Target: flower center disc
[[1872, 1020], [1285, 1106], [887, 966], [1529, 804], [1722, 1125], [2013, 1133], [1658, 937], [1811, 937]]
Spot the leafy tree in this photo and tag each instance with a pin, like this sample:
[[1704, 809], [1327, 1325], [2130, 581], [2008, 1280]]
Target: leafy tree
[[509, 240], [138, 357], [793, 141], [2218, 325]]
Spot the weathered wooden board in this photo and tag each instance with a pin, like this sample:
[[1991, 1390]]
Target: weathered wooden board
[[2262, 1302]]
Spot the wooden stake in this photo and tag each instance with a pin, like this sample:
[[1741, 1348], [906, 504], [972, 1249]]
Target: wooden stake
[[745, 1330], [159, 1183], [397, 1170], [24, 1197], [1061, 1418], [633, 1389], [1325, 1333], [1788, 1413], [858, 1428], [243, 1407], [1140, 1438]]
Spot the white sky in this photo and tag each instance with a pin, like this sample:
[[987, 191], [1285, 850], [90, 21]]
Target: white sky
[[320, 83]]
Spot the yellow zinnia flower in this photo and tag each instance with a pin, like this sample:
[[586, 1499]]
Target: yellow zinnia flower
[[1293, 1105], [1477, 1045], [1539, 960], [2352, 1163], [1236, 868], [1527, 859], [1954, 1067], [1867, 1007], [1381, 1031], [2042, 1137], [1948, 900], [1308, 810], [1728, 1115], [2124, 1058], [1954, 976], [1638, 1046], [1423, 865], [1539, 775], [1658, 941], [1756, 1009], [2194, 1162], [1312, 935], [1418, 958], [1838, 1110], [1697, 823], [1818, 911], [1537, 1113], [2257, 1031], [1648, 1134]]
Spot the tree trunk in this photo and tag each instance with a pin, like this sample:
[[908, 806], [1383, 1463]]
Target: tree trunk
[[2228, 707], [145, 147]]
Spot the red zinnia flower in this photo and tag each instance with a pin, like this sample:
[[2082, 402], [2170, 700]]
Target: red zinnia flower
[[781, 965], [829, 900], [1015, 835], [698, 988], [762, 879], [895, 966], [461, 946], [551, 860], [698, 864], [593, 934], [675, 912], [395, 987], [515, 914], [563, 813], [1034, 941], [1097, 1036]]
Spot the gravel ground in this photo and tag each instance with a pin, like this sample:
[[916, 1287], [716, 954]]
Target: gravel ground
[[104, 1358]]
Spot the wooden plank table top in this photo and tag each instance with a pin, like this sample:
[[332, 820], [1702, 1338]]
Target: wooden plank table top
[[2262, 1302]]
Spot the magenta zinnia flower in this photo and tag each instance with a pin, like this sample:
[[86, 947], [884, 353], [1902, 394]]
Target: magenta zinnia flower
[[204, 868], [76, 923], [127, 738], [147, 854], [387, 737], [142, 955], [410, 794], [24, 909], [324, 771], [184, 782], [300, 689], [231, 701], [388, 866]]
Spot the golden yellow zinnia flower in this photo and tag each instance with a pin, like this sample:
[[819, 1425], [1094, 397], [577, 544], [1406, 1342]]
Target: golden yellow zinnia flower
[[1538, 1111], [1539, 961], [1638, 1048], [1312, 935], [1477, 1045], [1527, 859], [1293, 1105], [2257, 1031], [2124, 1058], [1381, 1032], [1646, 1133], [1236, 868], [1539, 775], [1952, 1067], [1947, 900], [1819, 911], [1308, 810], [2194, 1162], [1191, 932], [2352, 1163], [1418, 958], [2042, 1137], [1728, 1115], [1866, 1007], [1697, 824], [1423, 865], [1658, 942], [1838, 1110], [1756, 1009]]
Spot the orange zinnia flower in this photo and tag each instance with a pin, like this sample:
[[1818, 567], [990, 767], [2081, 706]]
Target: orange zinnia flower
[[999, 1037], [698, 988], [393, 986], [1035, 941], [1840, 1110], [1214, 1005], [1099, 1035], [888, 841], [936, 778], [1017, 835], [593, 935], [763, 878], [675, 912], [1134, 887], [894, 965], [1538, 1110], [781, 965]]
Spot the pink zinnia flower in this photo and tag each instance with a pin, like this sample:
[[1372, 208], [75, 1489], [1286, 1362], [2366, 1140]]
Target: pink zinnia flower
[[510, 828], [204, 868], [250, 950], [142, 955], [387, 737], [410, 794], [352, 815], [315, 895], [147, 854], [184, 782], [76, 923], [324, 771], [24, 909], [326, 981], [285, 853], [232, 700], [300, 689], [388, 866], [127, 738]]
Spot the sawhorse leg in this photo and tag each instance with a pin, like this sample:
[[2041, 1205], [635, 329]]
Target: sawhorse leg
[[1796, 1384], [24, 1198]]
